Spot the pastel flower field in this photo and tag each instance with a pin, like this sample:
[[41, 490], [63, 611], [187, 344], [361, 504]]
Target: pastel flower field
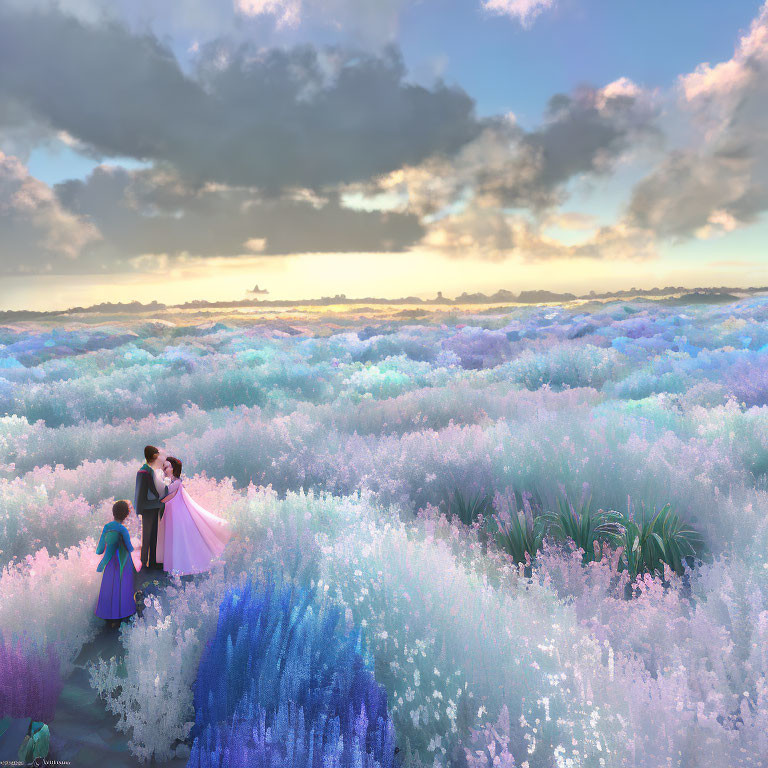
[[506, 536]]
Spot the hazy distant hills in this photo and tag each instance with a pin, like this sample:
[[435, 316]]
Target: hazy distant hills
[[720, 295], [701, 298]]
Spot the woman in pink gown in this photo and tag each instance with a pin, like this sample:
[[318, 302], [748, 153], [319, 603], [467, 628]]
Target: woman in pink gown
[[188, 536]]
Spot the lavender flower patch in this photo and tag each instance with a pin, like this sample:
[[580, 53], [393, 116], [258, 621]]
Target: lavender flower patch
[[30, 680]]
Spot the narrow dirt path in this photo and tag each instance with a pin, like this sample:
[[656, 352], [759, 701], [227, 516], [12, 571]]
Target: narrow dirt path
[[83, 732]]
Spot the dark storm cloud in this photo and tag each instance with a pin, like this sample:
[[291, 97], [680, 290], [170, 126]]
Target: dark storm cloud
[[155, 212], [582, 133], [251, 152], [20, 132], [271, 119]]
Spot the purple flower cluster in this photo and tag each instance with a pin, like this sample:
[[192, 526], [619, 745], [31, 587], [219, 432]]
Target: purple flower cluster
[[278, 686], [30, 679]]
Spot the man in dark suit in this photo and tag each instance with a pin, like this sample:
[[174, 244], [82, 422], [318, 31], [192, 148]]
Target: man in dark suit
[[148, 504]]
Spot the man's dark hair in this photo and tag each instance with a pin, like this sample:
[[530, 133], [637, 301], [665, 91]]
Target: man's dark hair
[[175, 465], [150, 453], [121, 509]]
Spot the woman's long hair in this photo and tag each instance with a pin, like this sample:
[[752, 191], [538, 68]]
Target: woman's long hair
[[175, 465]]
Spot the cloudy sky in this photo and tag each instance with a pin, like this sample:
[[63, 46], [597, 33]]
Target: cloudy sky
[[193, 149]]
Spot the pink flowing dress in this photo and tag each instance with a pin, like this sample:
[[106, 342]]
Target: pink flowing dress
[[189, 536]]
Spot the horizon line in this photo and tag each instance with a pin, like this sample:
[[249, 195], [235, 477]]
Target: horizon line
[[502, 295]]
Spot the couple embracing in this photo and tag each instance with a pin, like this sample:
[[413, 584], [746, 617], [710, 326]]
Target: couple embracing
[[177, 535]]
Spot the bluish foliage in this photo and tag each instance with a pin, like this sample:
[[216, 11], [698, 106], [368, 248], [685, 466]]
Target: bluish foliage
[[279, 685]]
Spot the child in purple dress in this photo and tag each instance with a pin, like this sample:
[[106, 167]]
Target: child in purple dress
[[116, 600]]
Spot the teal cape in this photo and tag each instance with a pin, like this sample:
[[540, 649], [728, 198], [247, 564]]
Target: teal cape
[[35, 745], [114, 537]]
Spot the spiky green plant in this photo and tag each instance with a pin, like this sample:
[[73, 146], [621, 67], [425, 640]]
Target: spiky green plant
[[657, 538], [469, 509], [515, 530], [583, 525]]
